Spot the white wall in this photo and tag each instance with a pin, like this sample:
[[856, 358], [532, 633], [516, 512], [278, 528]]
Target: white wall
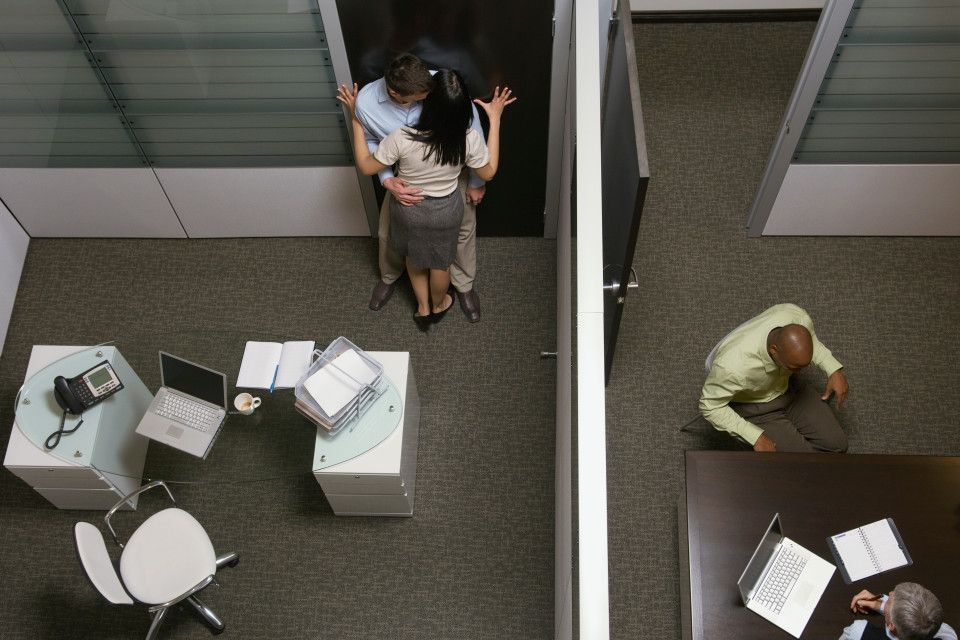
[[867, 200], [89, 203], [13, 251], [176, 203], [592, 567], [723, 5], [288, 201]]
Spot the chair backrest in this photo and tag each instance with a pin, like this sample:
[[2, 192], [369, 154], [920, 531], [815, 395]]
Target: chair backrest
[[96, 563], [708, 363]]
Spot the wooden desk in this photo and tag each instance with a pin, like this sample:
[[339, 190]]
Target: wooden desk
[[731, 496]]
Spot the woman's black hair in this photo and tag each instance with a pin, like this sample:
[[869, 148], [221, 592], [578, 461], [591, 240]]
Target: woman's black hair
[[446, 115]]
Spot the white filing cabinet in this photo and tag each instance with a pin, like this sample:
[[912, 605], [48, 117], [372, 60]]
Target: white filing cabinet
[[71, 481], [380, 481]]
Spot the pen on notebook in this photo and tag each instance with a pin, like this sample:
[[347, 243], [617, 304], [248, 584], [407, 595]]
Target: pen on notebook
[[273, 383]]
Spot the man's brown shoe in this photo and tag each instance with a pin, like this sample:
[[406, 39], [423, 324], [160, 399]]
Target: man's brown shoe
[[470, 303], [381, 293]]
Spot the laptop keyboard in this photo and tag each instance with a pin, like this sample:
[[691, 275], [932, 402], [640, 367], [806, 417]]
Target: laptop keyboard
[[187, 411], [783, 574]]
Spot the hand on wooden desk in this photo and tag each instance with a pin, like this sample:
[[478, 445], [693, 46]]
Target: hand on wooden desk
[[764, 443], [865, 602]]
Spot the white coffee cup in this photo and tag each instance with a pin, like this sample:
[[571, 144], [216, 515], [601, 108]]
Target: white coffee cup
[[246, 403]]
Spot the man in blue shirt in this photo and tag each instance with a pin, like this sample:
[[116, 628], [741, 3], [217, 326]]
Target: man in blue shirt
[[910, 612], [383, 106]]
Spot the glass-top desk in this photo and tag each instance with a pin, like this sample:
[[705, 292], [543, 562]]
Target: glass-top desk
[[366, 469]]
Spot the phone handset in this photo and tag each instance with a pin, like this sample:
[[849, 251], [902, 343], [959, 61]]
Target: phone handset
[[65, 397]]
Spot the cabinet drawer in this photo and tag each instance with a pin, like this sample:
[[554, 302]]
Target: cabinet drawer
[[101, 499], [361, 484], [73, 477], [366, 505]]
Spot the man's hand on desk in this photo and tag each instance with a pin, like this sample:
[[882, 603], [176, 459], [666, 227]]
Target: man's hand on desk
[[764, 443], [836, 383]]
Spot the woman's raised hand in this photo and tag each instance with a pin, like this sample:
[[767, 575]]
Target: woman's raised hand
[[498, 103], [348, 98]]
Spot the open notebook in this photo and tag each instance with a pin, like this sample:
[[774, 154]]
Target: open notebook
[[264, 360], [869, 550]]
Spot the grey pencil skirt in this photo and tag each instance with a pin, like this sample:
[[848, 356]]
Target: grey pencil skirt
[[426, 233]]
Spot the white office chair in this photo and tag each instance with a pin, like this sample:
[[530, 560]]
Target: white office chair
[[707, 365], [167, 560]]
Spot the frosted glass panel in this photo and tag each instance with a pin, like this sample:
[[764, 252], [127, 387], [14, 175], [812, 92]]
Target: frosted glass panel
[[167, 83], [892, 91], [55, 111]]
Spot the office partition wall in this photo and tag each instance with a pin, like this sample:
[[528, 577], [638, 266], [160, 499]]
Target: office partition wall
[[591, 456], [153, 87], [13, 252], [869, 143]]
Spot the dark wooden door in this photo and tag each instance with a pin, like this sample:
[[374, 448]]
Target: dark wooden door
[[490, 44]]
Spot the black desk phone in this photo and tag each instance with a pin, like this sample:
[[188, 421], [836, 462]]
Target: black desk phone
[[77, 394]]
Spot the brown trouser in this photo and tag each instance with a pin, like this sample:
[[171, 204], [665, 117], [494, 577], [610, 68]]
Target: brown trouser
[[796, 421]]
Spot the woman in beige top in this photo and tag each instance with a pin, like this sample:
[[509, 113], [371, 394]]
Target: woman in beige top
[[430, 155]]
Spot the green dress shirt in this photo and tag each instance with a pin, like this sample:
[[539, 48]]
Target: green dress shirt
[[743, 371]]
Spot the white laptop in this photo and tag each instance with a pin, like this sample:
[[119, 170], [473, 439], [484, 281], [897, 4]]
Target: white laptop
[[783, 582], [189, 408]]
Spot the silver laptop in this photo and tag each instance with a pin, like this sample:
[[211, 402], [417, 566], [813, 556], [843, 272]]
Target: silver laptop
[[189, 408], [783, 582]]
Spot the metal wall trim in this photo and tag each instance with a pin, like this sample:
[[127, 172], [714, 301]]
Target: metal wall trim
[[819, 54]]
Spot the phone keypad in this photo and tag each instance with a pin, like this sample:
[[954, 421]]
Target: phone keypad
[[83, 394]]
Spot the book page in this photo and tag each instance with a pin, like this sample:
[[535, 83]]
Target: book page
[[886, 549], [869, 550], [260, 359], [294, 361], [854, 554]]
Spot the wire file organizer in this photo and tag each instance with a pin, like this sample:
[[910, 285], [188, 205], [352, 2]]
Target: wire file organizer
[[340, 385]]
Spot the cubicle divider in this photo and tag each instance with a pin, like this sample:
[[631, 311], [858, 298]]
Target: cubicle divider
[[13, 252], [591, 459], [159, 119]]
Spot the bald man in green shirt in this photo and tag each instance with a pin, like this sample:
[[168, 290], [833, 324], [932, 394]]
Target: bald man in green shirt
[[749, 392]]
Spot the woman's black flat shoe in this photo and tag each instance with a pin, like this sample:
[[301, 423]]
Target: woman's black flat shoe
[[422, 322], [438, 316]]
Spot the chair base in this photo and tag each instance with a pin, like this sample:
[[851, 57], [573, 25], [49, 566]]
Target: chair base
[[687, 426], [212, 619], [228, 560]]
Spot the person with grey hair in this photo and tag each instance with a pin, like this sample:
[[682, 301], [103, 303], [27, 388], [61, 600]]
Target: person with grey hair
[[910, 612]]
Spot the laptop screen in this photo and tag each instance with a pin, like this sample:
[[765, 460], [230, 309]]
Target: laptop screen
[[193, 379], [760, 558]]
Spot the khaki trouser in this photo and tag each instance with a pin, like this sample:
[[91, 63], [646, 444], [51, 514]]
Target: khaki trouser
[[796, 421], [464, 267]]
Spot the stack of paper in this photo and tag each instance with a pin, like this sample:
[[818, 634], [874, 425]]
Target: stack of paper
[[336, 391]]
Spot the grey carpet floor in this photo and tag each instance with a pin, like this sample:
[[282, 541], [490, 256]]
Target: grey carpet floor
[[887, 307], [476, 560]]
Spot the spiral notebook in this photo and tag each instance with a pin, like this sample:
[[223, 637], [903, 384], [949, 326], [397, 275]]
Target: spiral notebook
[[869, 550]]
